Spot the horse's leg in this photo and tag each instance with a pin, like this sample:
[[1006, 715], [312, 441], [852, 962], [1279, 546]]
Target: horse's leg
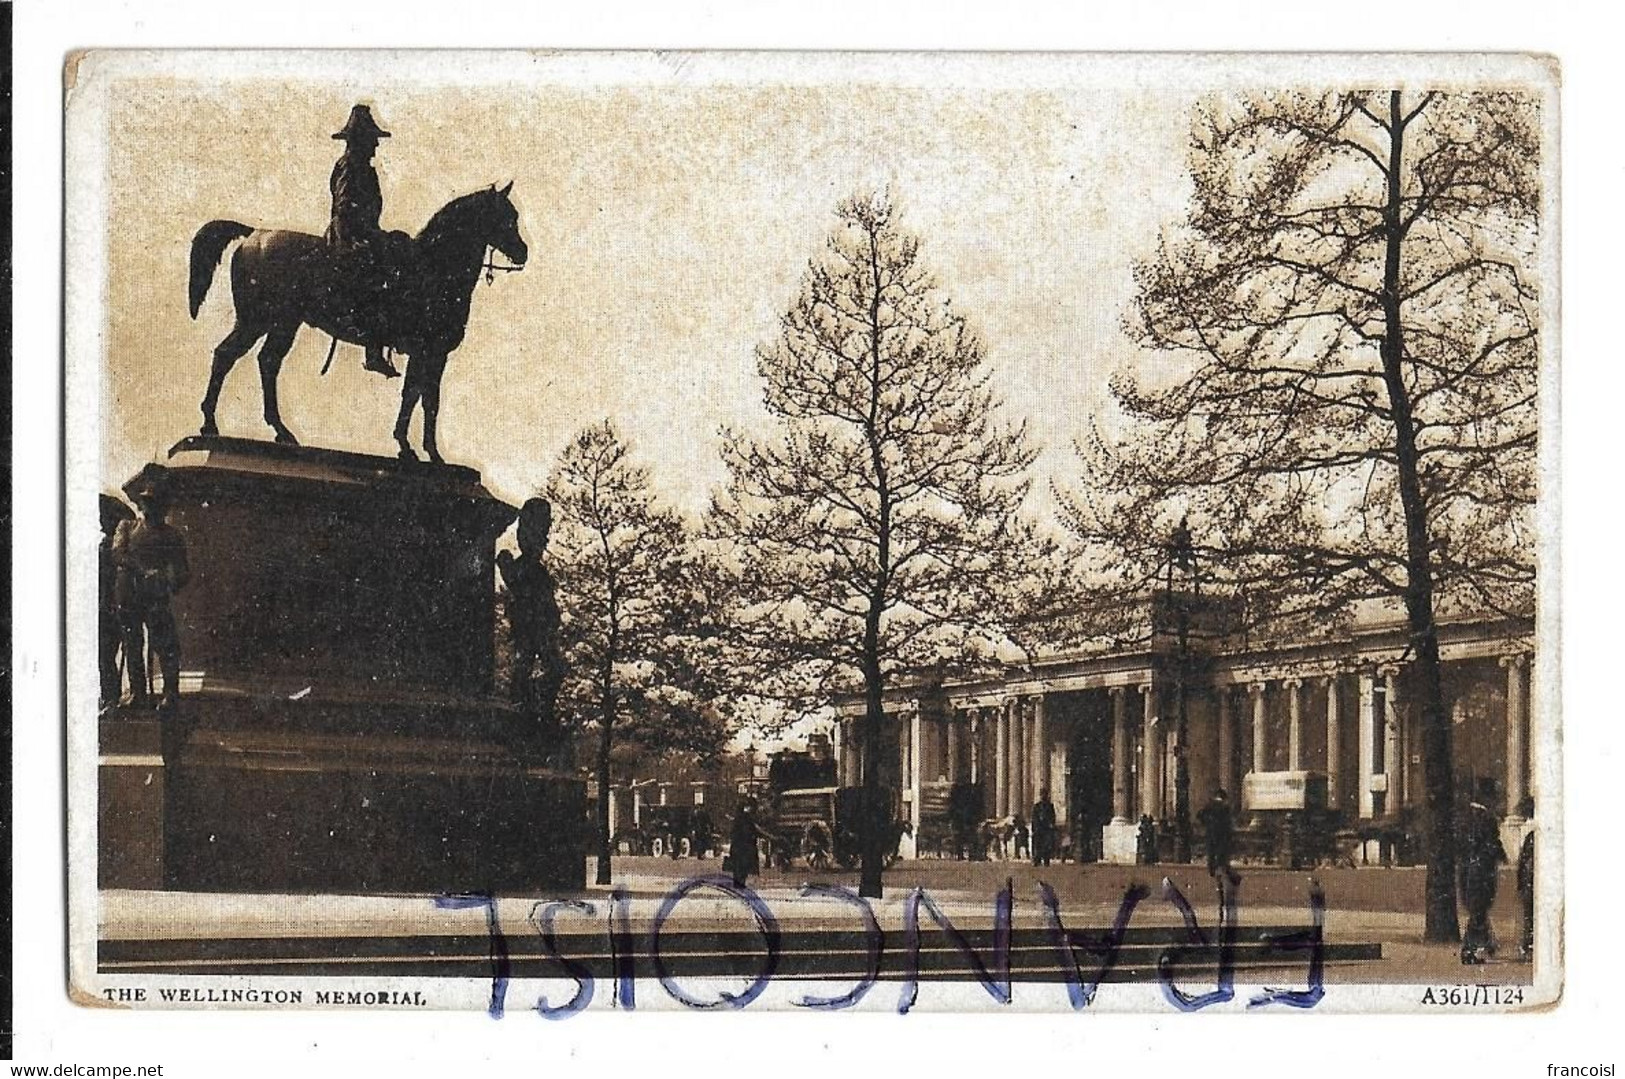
[[226, 354], [411, 392], [277, 344], [435, 368]]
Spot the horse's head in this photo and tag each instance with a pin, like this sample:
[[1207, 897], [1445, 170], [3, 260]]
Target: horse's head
[[499, 223], [485, 217]]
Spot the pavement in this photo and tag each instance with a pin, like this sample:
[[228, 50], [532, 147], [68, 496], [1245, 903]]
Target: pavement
[[1364, 906]]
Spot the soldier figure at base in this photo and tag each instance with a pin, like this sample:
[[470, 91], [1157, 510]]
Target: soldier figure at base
[[109, 627], [533, 613], [149, 556], [358, 203]]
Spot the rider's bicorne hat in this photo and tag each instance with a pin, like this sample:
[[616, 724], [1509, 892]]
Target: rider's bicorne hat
[[361, 125]]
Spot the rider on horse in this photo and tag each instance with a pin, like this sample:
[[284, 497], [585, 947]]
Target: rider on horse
[[358, 203]]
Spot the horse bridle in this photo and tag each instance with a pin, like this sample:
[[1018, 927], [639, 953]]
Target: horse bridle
[[492, 267]]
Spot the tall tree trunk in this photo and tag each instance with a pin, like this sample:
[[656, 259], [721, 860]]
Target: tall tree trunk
[[1437, 753], [606, 729], [877, 817], [876, 822]]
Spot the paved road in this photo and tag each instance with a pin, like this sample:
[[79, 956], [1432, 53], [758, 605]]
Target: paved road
[[1374, 890], [1373, 925]]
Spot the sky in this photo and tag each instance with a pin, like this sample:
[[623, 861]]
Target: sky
[[670, 209]]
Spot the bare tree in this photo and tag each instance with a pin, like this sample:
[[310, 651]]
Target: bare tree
[[1346, 403], [875, 534], [634, 613]]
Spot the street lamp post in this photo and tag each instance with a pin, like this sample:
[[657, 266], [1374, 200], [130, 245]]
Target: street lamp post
[[1182, 553]]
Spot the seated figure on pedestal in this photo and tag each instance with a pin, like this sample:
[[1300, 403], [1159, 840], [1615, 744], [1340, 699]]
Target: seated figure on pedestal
[[533, 613], [149, 556]]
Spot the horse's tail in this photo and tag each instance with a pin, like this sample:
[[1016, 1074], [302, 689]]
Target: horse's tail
[[208, 245]]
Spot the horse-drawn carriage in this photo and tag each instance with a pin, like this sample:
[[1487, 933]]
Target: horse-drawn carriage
[[671, 832], [810, 824], [815, 821]]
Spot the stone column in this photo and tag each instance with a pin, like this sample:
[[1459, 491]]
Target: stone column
[[950, 736], [1151, 765], [975, 745], [838, 746], [1261, 757], [1334, 738], [904, 771], [1407, 738], [637, 806], [1517, 718], [1040, 778], [1294, 726], [1001, 780], [1120, 792], [853, 754], [1392, 762], [614, 814], [1368, 742], [916, 773], [1013, 756], [1227, 745]]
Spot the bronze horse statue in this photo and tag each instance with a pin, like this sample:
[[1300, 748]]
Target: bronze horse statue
[[415, 297]]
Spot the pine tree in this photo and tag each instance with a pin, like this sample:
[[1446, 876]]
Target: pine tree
[[876, 534], [636, 618]]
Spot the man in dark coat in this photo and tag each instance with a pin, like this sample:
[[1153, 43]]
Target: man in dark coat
[[1218, 834], [743, 858], [149, 555], [1145, 841], [1481, 856], [1043, 828], [358, 204], [1526, 881]]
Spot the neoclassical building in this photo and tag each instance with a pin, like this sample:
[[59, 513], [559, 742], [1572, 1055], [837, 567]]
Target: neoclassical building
[[1098, 728]]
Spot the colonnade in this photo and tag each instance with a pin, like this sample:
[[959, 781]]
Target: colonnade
[[1005, 742], [1385, 777], [1019, 731]]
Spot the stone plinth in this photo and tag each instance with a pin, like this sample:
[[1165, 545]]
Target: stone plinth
[[317, 567], [337, 729], [1119, 842]]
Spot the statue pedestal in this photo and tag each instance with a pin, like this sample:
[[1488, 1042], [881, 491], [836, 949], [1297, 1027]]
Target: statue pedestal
[[337, 728], [1119, 842]]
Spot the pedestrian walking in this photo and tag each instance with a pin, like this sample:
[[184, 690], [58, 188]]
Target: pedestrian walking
[[1218, 835], [1481, 857], [1145, 841], [1022, 835], [1526, 882], [1043, 828], [744, 859]]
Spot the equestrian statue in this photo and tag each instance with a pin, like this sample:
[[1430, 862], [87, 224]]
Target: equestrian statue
[[358, 283]]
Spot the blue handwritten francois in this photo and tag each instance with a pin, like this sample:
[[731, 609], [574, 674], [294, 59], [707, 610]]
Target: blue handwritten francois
[[850, 945]]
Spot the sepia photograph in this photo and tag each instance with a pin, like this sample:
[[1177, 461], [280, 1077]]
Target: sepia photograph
[[566, 532]]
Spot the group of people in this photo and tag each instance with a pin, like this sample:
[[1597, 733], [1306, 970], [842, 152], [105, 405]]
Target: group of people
[[1018, 836], [1480, 856]]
